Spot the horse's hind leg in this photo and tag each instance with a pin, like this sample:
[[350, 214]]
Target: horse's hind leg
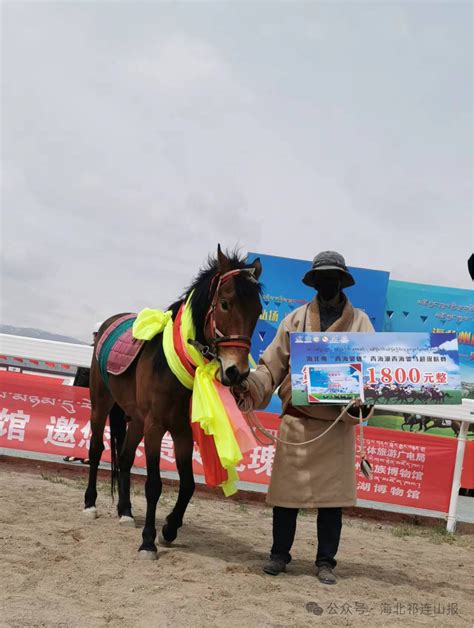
[[101, 403], [132, 440], [153, 437], [183, 446]]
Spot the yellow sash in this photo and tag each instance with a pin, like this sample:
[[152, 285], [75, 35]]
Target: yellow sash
[[207, 407]]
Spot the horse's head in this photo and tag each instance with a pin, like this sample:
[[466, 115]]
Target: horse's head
[[226, 307], [233, 314]]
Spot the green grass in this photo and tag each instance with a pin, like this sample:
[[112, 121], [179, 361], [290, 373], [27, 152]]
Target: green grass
[[54, 479], [435, 534], [402, 531], [299, 398], [389, 421], [394, 422], [455, 397]]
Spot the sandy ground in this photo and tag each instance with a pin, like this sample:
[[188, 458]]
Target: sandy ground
[[59, 569]]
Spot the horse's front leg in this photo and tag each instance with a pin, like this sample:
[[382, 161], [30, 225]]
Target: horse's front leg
[[153, 436], [127, 457], [183, 447]]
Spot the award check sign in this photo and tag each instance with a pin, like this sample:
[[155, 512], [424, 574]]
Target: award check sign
[[382, 368]]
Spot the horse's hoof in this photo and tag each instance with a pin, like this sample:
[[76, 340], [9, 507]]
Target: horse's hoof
[[127, 522], [147, 555], [162, 541], [90, 513]]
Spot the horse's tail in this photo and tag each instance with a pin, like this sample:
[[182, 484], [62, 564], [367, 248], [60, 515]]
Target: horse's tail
[[118, 429]]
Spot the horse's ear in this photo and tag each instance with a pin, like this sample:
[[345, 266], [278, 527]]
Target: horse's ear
[[224, 264], [257, 264]]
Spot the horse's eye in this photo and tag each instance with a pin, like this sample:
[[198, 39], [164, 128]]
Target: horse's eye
[[225, 306]]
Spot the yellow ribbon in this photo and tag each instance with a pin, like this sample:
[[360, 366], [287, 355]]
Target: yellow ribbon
[[207, 407], [149, 323], [174, 362], [208, 410]]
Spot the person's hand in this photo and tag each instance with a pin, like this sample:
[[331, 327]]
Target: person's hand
[[241, 390], [358, 406], [242, 395], [355, 407]]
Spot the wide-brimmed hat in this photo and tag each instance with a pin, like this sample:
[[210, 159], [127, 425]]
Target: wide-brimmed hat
[[329, 260]]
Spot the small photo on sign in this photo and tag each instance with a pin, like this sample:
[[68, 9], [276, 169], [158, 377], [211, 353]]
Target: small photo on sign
[[334, 383]]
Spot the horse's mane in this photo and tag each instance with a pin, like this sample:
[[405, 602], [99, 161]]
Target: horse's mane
[[245, 287]]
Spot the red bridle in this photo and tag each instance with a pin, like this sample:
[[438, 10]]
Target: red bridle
[[217, 337]]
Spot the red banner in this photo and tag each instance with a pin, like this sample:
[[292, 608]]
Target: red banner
[[408, 469], [46, 417]]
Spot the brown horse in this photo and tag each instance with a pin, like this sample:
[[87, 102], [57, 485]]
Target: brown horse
[[225, 306]]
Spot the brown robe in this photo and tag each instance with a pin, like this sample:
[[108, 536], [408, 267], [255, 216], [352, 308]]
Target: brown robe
[[321, 474]]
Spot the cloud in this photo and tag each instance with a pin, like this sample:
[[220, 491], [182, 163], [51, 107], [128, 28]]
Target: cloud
[[450, 345], [137, 136], [179, 63]]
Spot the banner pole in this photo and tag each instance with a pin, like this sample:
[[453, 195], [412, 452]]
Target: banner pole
[[458, 465]]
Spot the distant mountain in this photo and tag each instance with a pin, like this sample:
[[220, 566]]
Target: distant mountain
[[31, 332]]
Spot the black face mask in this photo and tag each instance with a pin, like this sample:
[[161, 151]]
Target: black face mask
[[328, 286]]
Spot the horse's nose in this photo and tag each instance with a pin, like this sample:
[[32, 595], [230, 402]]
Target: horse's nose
[[234, 376]]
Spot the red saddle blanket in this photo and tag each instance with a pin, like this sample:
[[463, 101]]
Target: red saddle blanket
[[118, 346]]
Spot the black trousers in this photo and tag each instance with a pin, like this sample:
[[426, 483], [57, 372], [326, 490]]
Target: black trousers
[[329, 525]]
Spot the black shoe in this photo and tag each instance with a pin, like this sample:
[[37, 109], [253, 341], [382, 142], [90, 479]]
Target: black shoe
[[275, 567], [326, 575]]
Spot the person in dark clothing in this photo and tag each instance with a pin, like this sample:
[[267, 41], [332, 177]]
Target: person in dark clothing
[[82, 377], [322, 474]]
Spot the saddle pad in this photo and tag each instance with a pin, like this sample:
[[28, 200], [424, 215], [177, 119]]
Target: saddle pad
[[124, 351], [117, 348], [112, 327]]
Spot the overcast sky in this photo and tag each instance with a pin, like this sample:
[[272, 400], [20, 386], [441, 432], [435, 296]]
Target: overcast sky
[[135, 137]]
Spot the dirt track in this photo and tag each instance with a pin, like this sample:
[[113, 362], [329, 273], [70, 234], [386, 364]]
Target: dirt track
[[58, 569]]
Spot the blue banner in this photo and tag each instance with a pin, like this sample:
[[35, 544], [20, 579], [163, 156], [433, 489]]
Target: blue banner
[[417, 307]]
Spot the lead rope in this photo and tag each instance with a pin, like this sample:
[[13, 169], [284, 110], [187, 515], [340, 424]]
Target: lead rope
[[365, 466], [246, 407]]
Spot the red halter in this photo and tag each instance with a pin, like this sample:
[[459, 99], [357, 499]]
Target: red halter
[[217, 337]]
